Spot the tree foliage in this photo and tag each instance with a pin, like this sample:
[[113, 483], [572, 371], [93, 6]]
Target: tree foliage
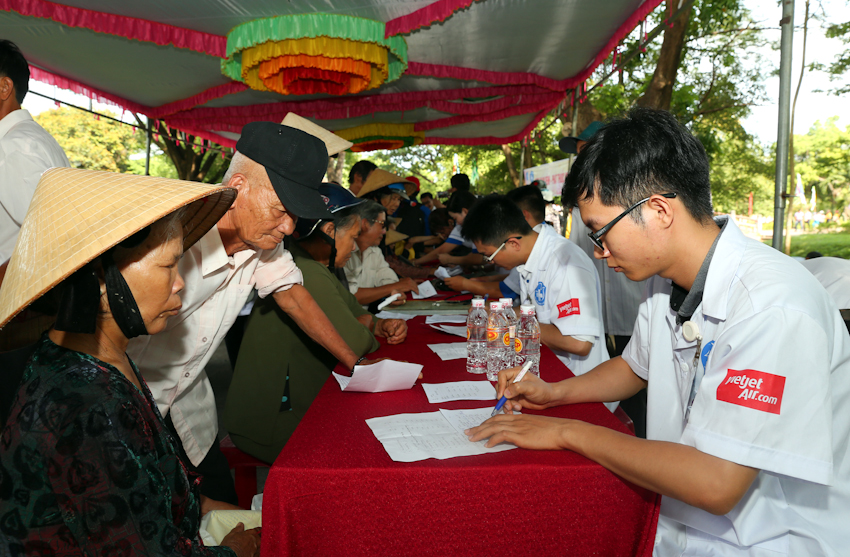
[[91, 142], [823, 161]]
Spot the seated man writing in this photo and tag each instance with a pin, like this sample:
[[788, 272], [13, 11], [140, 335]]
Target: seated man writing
[[745, 360], [555, 275], [280, 369], [533, 207], [459, 205]]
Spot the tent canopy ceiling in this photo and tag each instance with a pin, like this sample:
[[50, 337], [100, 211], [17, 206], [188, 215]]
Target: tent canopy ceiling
[[474, 72]]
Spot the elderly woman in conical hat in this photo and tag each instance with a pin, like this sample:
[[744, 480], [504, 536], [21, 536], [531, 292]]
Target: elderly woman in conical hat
[[87, 466]]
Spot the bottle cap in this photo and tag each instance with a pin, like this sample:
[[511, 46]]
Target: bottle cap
[[527, 310], [495, 306], [506, 302], [478, 302]]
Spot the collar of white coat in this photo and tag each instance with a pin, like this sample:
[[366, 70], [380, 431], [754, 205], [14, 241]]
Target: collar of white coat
[[723, 268], [14, 117], [540, 254]]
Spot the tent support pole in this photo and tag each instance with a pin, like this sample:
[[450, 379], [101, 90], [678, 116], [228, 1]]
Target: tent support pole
[[148, 150], [782, 139]]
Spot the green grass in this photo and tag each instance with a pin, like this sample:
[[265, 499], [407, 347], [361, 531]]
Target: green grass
[[834, 244]]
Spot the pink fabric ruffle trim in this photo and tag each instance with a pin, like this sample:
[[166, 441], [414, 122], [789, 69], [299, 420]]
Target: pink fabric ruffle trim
[[440, 10], [128, 27], [76, 87], [195, 100]]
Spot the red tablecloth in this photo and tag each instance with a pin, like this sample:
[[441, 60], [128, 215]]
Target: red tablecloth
[[335, 491]]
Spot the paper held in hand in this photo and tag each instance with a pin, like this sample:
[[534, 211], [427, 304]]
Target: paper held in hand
[[412, 437], [426, 290], [386, 375], [444, 273]]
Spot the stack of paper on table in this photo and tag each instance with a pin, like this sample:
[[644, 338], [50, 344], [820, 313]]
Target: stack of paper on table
[[449, 350], [394, 315], [435, 319], [386, 375], [452, 330], [426, 290], [459, 390], [412, 437]]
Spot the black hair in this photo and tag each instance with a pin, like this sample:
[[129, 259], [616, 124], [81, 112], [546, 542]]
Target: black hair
[[460, 182], [369, 210], [813, 255], [439, 218], [529, 198], [379, 193], [14, 66], [647, 152], [494, 219], [461, 200], [424, 193], [361, 168]]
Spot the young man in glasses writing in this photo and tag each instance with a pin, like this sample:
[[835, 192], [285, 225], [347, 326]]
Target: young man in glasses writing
[[743, 354], [555, 275]]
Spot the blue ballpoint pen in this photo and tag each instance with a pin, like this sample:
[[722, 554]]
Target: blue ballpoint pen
[[518, 378]]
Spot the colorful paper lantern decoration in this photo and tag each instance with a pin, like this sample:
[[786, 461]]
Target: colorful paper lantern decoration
[[313, 53], [371, 137]]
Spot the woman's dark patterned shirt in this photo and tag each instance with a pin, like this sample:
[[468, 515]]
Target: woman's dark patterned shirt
[[88, 468]]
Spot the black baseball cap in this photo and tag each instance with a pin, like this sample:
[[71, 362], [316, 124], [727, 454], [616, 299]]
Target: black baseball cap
[[295, 162]]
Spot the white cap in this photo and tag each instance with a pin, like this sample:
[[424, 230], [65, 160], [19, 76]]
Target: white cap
[[495, 306], [527, 310], [478, 302], [507, 302]]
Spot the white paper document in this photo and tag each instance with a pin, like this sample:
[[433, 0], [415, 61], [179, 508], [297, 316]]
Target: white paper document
[[444, 273], [394, 315], [386, 375], [449, 350], [452, 329], [459, 390], [412, 437], [434, 319], [426, 290]]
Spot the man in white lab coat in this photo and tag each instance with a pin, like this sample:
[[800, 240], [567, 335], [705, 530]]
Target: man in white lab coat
[[743, 354]]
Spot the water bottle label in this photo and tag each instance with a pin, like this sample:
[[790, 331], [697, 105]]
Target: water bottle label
[[517, 345], [512, 330], [467, 333], [507, 338], [492, 335]]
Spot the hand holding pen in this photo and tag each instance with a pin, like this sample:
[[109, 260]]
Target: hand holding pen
[[518, 378]]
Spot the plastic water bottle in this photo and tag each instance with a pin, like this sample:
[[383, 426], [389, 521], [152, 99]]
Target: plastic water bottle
[[513, 321], [476, 338], [527, 344], [498, 341]]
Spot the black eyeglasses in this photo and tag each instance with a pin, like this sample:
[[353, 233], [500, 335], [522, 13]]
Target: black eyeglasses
[[492, 256], [595, 236]]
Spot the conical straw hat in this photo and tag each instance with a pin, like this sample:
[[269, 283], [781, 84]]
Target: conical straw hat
[[379, 178], [334, 143], [76, 215], [394, 236]]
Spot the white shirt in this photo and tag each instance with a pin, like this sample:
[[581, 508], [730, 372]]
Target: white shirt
[[511, 282], [456, 238], [834, 274], [562, 283], [172, 362], [620, 296], [767, 324], [26, 151], [368, 269]]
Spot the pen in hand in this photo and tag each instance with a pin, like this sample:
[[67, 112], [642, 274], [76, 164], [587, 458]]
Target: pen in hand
[[520, 375], [388, 301]]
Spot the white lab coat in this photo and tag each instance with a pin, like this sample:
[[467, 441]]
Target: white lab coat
[[775, 396]]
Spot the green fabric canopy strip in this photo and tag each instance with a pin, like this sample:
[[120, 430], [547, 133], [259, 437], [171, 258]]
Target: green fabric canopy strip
[[303, 26]]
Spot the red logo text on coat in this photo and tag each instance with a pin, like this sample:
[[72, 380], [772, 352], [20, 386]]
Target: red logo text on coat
[[570, 307], [754, 389]]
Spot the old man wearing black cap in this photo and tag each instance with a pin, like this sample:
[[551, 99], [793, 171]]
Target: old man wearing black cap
[[277, 170]]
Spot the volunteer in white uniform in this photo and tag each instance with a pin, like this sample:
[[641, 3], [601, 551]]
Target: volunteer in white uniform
[[736, 331], [555, 275]]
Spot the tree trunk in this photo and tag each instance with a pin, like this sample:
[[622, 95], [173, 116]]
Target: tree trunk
[[512, 170], [789, 209], [191, 164], [659, 94], [335, 167]]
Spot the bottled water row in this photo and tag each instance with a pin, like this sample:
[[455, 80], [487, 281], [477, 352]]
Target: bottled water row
[[500, 340]]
